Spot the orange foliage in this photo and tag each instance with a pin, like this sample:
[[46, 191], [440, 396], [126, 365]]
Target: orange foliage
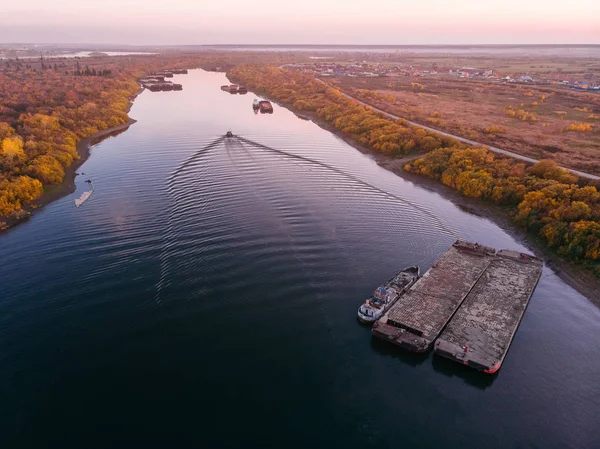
[[494, 129], [581, 127], [521, 114]]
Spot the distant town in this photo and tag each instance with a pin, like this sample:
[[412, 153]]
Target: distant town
[[367, 69]]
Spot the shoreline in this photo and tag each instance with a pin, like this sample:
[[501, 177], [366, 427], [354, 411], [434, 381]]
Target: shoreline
[[67, 186], [577, 277]]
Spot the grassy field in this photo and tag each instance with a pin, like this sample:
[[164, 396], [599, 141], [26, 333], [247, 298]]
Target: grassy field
[[539, 121]]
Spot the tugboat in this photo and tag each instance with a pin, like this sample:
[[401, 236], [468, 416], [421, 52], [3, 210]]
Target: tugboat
[[385, 296]]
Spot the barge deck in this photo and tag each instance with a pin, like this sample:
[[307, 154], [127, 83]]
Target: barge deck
[[482, 330], [418, 317]]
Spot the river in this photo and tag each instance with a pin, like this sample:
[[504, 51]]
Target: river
[[206, 295]]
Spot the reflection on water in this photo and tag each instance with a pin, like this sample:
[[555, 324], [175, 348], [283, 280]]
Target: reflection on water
[[207, 293]]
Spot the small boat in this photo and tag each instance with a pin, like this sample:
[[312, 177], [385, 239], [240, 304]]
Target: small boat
[[385, 296], [242, 90], [265, 107], [229, 134], [83, 198], [256, 105], [85, 195]]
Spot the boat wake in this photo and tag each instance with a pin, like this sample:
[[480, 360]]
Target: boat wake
[[207, 175], [443, 227]]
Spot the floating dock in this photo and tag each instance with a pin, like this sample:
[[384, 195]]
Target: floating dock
[[419, 316], [482, 330]]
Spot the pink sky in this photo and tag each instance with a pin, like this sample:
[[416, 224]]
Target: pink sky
[[306, 21]]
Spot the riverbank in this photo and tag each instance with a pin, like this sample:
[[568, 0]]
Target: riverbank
[[575, 276], [67, 186]]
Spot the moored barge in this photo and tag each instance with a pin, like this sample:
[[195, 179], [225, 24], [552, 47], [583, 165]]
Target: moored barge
[[418, 316], [265, 107], [165, 86], [231, 88], [480, 333]]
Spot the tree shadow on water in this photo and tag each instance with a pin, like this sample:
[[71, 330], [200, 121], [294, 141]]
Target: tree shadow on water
[[471, 376], [408, 358]]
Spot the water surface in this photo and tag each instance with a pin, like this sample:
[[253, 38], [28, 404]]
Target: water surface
[[206, 294]]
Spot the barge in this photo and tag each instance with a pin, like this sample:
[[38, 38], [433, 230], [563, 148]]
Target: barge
[[482, 330], [418, 316], [231, 88], [386, 295], [265, 107], [165, 86]]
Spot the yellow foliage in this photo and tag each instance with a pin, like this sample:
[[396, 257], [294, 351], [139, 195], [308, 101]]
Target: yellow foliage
[[12, 155], [47, 169], [18, 191], [521, 114], [12, 147], [545, 198], [581, 127], [494, 129]]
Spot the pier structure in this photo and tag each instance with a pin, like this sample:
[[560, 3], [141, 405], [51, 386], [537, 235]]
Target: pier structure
[[483, 328], [419, 316]]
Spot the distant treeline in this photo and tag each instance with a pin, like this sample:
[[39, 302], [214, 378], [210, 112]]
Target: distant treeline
[[92, 72]]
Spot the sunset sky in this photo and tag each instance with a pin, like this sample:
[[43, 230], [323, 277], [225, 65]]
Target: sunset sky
[[301, 22]]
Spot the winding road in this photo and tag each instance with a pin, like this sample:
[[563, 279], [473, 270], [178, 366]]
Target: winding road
[[468, 141]]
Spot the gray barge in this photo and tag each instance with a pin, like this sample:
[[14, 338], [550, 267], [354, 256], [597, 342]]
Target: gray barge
[[418, 317], [482, 330]]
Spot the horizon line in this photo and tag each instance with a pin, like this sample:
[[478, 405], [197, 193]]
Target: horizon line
[[308, 45]]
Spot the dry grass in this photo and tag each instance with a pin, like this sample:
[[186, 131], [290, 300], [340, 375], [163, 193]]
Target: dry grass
[[471, 108]]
